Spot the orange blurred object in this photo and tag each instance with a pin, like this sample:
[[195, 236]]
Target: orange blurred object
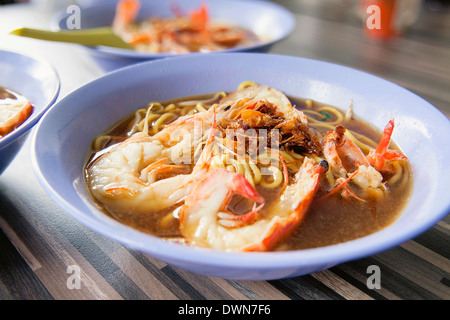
[[200, 17], [386, 19], [126, 12], [380, 18]]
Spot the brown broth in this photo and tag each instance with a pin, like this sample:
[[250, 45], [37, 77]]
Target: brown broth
[[328, 221]]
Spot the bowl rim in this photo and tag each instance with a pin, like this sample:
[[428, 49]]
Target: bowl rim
[[160, 248], [288, 27], [35, 116]]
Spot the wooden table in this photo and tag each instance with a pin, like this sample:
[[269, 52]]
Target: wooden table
[[38, 240]]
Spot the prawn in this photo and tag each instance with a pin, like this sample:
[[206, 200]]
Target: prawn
[[150, 173], [205, 221], [126, 177], [147, 173], [144, 173], [380, 157], [349, 163], [249, 97]]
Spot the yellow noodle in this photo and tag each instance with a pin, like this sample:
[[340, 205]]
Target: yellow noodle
[[317, 124], [362, 137], [333, 111], [277, 178], [156, 107], [166, 220], [256, 173], [248, 173], [246, 167], [217, 162], [198, 150], [205, 101], [160, 121], [185, 110], [200, 107], [292, 159], [364, 147], [134, 124], [315, 158], [309, 103], [295, 155], [398, 173], [375, 193], [404, 178], [145, 128], [100, 142], [330, 178], [170, 107], [312, 112], [349, 113], [268, 158], [147, 120], [239, 168], [339, 116], [287, 157], [366, 140]]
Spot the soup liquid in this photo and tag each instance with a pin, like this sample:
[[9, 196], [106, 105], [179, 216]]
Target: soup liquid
[[329, 221]]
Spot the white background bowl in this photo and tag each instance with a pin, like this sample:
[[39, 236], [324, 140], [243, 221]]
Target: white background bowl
[[63, 138]]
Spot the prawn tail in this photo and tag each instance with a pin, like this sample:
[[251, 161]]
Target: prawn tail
[[283, 227], [378, 158], [126, 12]]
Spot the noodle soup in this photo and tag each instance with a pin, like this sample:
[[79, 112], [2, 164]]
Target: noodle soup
[[334, 220], [272, 164]]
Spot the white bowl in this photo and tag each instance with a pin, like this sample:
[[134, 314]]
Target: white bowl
[[36, 80], [63, 138], [268, 20]]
